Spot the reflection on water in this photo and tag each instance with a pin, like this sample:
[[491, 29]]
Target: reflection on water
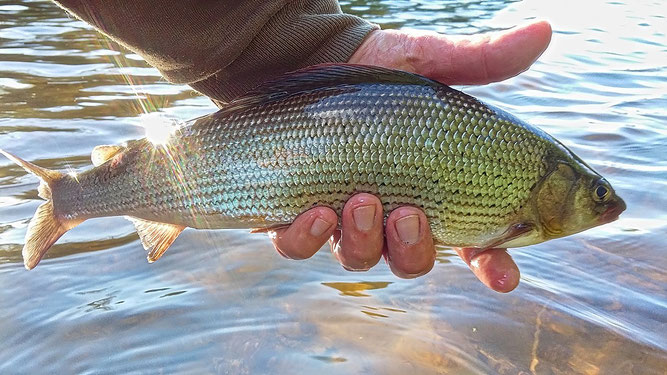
[[225, 302], [356, 289]]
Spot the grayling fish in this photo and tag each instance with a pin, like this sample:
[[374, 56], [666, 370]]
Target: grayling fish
[[319, 135]]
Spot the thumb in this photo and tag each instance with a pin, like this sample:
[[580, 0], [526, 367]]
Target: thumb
[[457, 60]]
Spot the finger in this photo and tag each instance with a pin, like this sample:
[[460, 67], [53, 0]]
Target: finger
[[307, 234], [494, 268], [361, 240], [457, 60], [410, 250], [493, 57]]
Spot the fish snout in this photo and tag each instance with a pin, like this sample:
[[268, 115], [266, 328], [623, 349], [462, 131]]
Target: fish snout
[[613, 211]]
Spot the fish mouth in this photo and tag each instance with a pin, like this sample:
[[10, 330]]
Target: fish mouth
[[613, 211]]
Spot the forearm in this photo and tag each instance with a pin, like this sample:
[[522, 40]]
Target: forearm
[[224, 48]]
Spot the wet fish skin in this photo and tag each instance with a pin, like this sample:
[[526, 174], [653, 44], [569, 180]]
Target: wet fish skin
[[316, 137]]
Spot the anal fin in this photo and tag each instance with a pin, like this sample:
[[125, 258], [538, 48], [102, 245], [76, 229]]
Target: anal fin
[[156, 237]]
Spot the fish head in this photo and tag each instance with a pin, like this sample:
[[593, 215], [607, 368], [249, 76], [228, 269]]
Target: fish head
[[573, 198]]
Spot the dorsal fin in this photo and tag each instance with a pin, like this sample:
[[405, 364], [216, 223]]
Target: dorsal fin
[[323, 76], [102, 153], [327, 75]]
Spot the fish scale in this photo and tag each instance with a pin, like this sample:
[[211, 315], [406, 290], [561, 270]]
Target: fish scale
[[318, 136], [372, 138]]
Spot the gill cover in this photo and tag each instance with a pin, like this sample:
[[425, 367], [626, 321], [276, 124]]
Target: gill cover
[[553, 203]]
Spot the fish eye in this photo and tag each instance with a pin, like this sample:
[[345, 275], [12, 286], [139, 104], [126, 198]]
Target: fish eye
[[601, 192]]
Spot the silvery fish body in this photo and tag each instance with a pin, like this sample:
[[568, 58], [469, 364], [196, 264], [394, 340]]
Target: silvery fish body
[[319, 135]]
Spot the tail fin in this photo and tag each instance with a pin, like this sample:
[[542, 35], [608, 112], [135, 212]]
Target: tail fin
[[45, 227]]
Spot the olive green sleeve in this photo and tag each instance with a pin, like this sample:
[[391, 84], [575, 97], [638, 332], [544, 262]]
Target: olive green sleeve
[[224, 48]]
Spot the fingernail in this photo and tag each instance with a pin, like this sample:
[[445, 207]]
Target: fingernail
[[408, 229], [319, 227], [364, 217]]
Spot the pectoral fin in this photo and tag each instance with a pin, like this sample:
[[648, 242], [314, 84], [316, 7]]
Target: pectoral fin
[[103, 153], [513, 232], [269, 229], [156, 237]]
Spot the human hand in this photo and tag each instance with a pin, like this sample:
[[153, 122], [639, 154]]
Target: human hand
[[406, 240]]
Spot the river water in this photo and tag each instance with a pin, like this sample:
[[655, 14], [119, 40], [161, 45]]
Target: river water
[[226, 302]]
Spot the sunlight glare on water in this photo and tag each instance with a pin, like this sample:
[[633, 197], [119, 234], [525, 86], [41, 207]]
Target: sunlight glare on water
[[226, 302]]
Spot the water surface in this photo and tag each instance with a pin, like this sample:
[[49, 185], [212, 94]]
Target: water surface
[[226, 302]]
